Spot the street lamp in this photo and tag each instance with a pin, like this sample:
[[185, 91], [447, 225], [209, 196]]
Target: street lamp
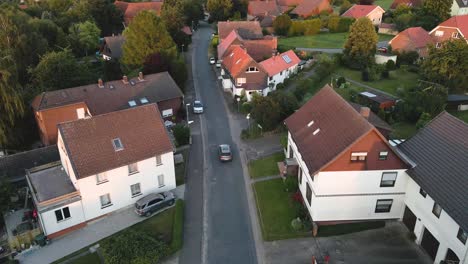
[[248, 122], [186, 107], [238, 100], [182, 48]]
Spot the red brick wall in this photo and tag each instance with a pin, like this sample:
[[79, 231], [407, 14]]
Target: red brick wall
[[174, 104]]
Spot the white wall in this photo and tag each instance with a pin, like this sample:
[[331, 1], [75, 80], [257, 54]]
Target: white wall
[[66, 161], [279, 78], [118, 185], [49, 221], [444, 228]]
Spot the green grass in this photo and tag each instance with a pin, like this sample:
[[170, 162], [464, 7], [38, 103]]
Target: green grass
[[399, 79], [403, 130], [341, 229], [178, 227], [266, 166], [92, 258], [322, 41], [276, 211], [463, 115], [385, 4]]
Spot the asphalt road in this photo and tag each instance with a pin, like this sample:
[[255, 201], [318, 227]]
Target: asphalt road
[[227, 232]]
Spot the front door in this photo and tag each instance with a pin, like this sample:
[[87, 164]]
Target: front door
[[409, 219], [430, 244]]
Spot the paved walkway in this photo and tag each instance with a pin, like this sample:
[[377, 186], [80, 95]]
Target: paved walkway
[[86, 236], [267, 178]]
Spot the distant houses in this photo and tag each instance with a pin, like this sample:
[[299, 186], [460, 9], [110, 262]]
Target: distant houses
[[373, 12]]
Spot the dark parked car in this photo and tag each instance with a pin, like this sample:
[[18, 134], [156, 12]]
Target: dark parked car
[[225, 153], [154, 202]]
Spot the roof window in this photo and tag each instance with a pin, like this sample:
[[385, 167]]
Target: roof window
[[144, 100], [286, 59], [316, 131], [132, 103], [310, 123], [117, 143]]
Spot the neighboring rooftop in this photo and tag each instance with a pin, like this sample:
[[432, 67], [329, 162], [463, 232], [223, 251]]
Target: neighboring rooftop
[[258, 49], [113, 95], [263, 8], [236, 60], [279, 63], [246, 29], [113, 46], [460, 22], [374, 119], [410, 3], [378, 97], [462, 3], [113, 140], [13, 167], [358, 11], [130, 10], [440, 152], [312, 7], [411, 39]]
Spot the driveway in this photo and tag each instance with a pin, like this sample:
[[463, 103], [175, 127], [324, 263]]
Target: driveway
[[379, 246]]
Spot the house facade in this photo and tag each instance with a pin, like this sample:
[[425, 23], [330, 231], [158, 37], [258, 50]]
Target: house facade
[[112, 47], [453, 28], [279, 68], [347, 170], [412, 39], [88, 184], [459, 7], [436, 195], [373, 12], [54, 107]]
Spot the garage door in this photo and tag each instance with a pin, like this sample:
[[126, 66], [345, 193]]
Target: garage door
[[430, 244], [409, 219]]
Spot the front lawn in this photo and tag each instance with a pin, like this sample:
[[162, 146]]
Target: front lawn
[[399, 78], [322, 41], [265, 166], [276, 210], [385, 4], [91, 258], [463, 115]]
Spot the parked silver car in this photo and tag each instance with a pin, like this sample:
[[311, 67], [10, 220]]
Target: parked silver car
[[154, 202], [197, 107]]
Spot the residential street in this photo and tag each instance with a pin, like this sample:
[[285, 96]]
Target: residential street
[[226, 235]]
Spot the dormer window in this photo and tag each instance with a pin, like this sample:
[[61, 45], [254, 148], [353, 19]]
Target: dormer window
[[144, 100], [358, 156], [132, 103], [117, 144], [455, 35], [252, 69], [383, 155]]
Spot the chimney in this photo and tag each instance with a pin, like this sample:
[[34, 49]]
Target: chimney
[[125, 79], [140, 76], [100, 83], [365, 112]]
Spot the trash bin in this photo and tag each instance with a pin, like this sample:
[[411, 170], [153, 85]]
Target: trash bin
[[40, 240]]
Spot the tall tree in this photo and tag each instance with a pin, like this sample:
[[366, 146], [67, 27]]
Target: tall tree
[[219, 9], [193, 11], [88, 35], [360, 47], [146, 35], [107, 16], [172, 14], [282, 24], [448, 65], [265, 110], [439, 8]]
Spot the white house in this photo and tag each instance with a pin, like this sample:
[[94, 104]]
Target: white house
[[437, 192], [347, 170], [279, 67], [459, 7], [107, 163]]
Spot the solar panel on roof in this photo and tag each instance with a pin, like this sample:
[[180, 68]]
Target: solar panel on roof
[[287, 59]]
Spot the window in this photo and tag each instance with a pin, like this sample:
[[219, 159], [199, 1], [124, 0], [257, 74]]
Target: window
[[155, 201], [241, 81], [439, 33], [383, 206], [161, 180], [422, 192], [462, 235], [80, 112], [388, 179], [270, 79], [167, 113], [281, 73], [135, 189], [438, 45], [309, 194], [132, 168], [105, 200], [144, 100], [300, 176], [437, 210], [158, 160], [455, 35], [252, 69], [383, 155], [358, 156], [101, 178], [62, 214], [132, 103], [117, 143]]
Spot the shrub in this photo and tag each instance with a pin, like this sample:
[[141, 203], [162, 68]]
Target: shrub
[[280, 86], [423, 120], [181, 134], [341, 80], [291, 184], [390, 65], [246, 108], [282, 24], [312, 26], [385, 74], [296, 224]]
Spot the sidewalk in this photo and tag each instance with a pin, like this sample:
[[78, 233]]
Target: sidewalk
[[86, 236]]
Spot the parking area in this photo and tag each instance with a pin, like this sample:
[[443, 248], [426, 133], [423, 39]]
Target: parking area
[[385, 245]]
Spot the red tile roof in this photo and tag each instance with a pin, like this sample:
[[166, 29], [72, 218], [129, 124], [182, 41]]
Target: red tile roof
[[246, 29], [411, 3], [130, 10], [261, 49], [263, 8], [290, 2], [89, 141], [460, 22], [358, 11], [336, 126], [411, 39], [312, 7], [276, 64], [236, 61], [227, 42]]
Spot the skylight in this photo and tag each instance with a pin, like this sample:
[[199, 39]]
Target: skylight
[[132, 103], [238, 61], [316, 131], [144, 100], [286, 59], [310, 123], [117, 143]]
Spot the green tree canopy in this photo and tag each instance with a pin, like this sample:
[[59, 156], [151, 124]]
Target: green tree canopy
[[448, 65], [146, 35], [361, 45], [219, 9], [88, 35], [266, 111], [193, 11], [108, 18], [282, 24], [439, 8]]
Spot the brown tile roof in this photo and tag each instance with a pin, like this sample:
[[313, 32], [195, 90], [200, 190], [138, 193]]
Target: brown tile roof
[[130, 10], [246, 29], [312, 7], [411, 39], [89, 141], [358, 11], [439, 153], [374, 119], [290, 2], [337, 126], [261, 49], [155, 87], [411, 3], [113, 46], [281, 62], [263, 8]]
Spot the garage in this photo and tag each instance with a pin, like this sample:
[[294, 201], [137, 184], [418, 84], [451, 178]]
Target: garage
[[430, 244], [409, 219]]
